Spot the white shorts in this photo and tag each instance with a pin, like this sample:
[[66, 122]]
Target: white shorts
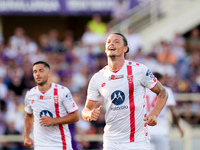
[[142, 145], [159, 142], [52, 148]]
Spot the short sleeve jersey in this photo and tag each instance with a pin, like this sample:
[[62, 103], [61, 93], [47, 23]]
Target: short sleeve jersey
[[56, 102], [124, 97], [162, 127]]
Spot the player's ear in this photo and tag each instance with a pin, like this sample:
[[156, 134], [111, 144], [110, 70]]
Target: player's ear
[[126, 49], [49, 73]]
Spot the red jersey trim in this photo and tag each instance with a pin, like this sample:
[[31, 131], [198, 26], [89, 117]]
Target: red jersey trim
[[154, 85], [131, 103], [93, 100], [58, 115], [73, 111]]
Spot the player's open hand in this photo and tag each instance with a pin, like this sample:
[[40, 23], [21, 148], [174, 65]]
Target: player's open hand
[[46, 121], [94, 114], [151, 120], [28, 142]]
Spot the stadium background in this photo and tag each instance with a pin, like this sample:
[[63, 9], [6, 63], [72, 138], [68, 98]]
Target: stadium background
[[69, 19]]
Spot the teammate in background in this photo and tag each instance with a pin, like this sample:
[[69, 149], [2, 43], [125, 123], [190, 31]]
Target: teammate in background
[[160, 133], [121, 84], [51, 107]]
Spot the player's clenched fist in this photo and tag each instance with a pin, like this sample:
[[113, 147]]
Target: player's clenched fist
[[28, 142], [94, 114], [151, 120]]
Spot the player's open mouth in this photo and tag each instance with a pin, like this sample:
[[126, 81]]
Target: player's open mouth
[[111, 49]]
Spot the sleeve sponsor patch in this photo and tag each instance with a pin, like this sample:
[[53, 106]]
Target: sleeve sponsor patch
[[150, 74], [69, 97]]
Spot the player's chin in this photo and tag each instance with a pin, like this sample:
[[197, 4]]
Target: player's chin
[[111, 54], [40, 83]]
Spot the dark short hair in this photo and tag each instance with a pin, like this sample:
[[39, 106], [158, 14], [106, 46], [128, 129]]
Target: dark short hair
[[42, 62], [158, 75], [124, 39]]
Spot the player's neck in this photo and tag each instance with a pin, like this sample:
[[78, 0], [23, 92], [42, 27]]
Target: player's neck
[[44, 87], [116, 64]]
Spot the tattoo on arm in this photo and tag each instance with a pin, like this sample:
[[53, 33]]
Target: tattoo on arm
[[160, 91]]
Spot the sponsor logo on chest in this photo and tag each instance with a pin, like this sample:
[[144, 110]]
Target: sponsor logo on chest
[[42, 97], [114, 77]]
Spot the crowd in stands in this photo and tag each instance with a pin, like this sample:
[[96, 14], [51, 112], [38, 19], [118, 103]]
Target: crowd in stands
[[73, 62]]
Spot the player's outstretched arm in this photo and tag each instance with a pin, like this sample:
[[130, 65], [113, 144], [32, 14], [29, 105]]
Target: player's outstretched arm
[[90, 112], [162, 96], [70, 118], [28, 124]]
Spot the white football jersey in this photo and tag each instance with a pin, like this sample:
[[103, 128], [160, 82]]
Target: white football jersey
[[56, 102], [162, 127], [123, 93]]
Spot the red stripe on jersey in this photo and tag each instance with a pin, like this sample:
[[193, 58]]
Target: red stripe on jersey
[[58, 115], [131, 102]]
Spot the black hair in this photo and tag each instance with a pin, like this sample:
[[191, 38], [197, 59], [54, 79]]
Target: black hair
[[158, 75], [124, 39], [42, 62]]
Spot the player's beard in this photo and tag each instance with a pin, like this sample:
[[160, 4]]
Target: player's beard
[[42, 83], [113, 57]]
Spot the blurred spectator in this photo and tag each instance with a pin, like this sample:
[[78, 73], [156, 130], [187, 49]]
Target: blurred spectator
[[67, 44], [44, 43], [3, 69], [3, 57], [119, 11], [96, 25], [165, 55], [81, 52], [3, 109], [10, 52], [178, 44], [38, 55], [18, 39], [79, 79], [1, 38], [16, 85], [135, 42], [27, 77], [92, 41], [193, 42], [15, 111], [29, 46], [3, 88], [53, 41]]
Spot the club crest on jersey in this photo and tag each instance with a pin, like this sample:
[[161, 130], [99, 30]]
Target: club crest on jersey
[[130, 78], [55, 99], [114, 77], [117, 97]]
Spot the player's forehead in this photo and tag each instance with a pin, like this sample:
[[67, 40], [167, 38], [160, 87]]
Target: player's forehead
[[115, 37], [38, 66]]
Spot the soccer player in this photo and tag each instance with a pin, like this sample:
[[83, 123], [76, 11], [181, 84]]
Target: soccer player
[[159, 134], [122, 85], [50, 107]]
